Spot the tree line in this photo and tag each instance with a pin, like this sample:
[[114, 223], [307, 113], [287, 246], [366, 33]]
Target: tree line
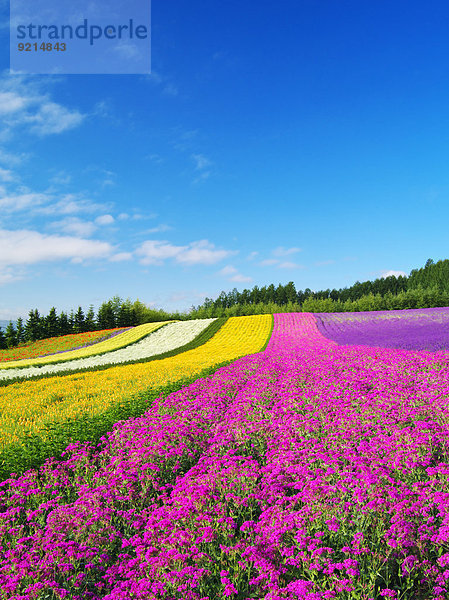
[[425, 287], [113, 313]]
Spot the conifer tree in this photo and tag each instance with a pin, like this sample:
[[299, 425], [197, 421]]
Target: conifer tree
[[33, 326], [2, 340], [20, 332], [11, 335], [89, 322]]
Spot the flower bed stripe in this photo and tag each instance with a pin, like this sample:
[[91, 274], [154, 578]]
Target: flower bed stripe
[[130, 336], [414, 329], [34, 408], [163, 340], [55, 345]]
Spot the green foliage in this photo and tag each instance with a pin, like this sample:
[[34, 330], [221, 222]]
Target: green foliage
[[424, 287], [34, 326], [431, 275], [80, 321], [89, 322], [20, 331], [11, 335], [50, 325], [2, 340]]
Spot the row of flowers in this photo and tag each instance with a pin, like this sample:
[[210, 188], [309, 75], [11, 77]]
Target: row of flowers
[[162, 340], [414, 329], [30, 405], [55, 345], [129, 336]]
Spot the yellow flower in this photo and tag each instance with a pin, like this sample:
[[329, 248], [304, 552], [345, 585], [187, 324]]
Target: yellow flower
[[32, 404]]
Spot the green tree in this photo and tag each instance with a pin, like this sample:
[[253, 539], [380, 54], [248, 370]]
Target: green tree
[[79, 321], [3, 344], [20, 332], [51, 323], [89, 322], [63, 324], [290, 292], [106, 316], [11, 335], [33, 326]]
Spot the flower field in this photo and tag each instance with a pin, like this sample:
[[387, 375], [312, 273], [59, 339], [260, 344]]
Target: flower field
[[31, 405], [415, 329], [130, 336], [310, 470], [57, 344], [162, 340]]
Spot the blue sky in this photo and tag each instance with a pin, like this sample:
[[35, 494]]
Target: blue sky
[[303, 141]]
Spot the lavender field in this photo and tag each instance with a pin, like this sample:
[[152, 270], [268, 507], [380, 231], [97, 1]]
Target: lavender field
[[415, 329]]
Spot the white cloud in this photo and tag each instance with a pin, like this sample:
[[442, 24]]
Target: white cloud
[[8, 275], [269, 262], [170, 90], [127, 51], [281, 251], [6, 175], [201, 162], [289, 265], [233, 275], [52, 118], [71, 204], [61, 178], [202, 252], [73, 225], [395, 273], [159, 229], [228, 270], [11, 314], [10, 102], [19, 202], [238, 277], [121, 256], [23, 103], [324, 263], [252, 255], [104, 220], [155, 158], [11, 160], [155, 252], [26, 247], [202, 177]]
